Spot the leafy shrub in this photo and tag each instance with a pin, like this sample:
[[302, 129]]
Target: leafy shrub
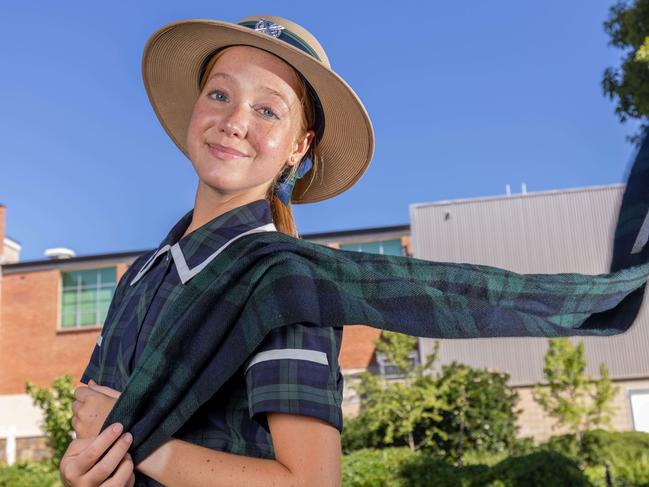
[[481, 416], [358, 435], [458, 410], [397, 412], [371, 467], [484, 458], [540, 469], [56, 405], [401, 467], [564, 444], [626, 453], [522, 446], [422, 470], [30, 474]]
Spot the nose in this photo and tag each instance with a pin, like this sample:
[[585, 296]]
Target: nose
[[235, 122]]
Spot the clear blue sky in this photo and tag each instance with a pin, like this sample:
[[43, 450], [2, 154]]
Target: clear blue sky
[[465, 97]]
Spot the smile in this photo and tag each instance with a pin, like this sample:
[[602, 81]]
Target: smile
[[225, 153]]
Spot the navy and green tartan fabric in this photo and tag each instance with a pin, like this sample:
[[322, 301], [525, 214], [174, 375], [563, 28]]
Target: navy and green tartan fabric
[[264, 281], [283, 377]]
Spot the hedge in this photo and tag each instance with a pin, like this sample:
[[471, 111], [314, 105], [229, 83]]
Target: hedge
[[399, 467], [30, 474]]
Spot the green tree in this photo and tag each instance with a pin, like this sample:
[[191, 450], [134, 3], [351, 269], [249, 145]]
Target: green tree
[[482, 414], [628, 27], [449, 413], [397, 412], [642, 54], [573, 398], [57, 410]]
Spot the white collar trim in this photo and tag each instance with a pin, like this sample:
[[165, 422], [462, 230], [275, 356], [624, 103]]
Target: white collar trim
[[183, 269]]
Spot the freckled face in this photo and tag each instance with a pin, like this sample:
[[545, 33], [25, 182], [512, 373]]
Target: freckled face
[[246, 122]]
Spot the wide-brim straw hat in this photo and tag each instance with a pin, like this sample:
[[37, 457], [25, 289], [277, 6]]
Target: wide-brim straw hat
[[176, 54]]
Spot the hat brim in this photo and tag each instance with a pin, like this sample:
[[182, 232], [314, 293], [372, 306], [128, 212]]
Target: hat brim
[[171, 65]]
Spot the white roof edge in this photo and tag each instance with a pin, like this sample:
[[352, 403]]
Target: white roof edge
[[516, 195], [9, 242]]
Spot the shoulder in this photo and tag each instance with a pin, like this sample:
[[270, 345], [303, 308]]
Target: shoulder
[[279, 247]]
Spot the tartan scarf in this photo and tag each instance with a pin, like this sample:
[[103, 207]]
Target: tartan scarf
[[266, 280]]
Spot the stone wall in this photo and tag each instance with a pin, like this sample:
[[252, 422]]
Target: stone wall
[[535, 423], [36, 448]]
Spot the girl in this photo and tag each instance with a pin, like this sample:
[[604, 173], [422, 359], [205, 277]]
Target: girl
[[254, 129], [219, 351]]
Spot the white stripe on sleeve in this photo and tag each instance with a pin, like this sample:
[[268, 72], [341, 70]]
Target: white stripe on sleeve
[[290, 353]]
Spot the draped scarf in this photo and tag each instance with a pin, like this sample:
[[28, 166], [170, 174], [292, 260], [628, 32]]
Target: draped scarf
[[268, 280]]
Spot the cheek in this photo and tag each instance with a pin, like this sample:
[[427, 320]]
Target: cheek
[[272, 144], [194, 128]]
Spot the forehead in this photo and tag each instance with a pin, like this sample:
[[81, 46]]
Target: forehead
[[258, 68]]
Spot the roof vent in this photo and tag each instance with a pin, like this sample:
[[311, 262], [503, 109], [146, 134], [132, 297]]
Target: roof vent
[[59, 253]]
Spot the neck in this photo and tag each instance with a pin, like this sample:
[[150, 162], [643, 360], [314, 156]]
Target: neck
[[209, 204]]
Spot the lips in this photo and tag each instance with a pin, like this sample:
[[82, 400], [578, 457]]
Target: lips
[[222, 152]]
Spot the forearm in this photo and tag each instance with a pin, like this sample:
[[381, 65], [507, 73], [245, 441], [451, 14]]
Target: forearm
[[178, 463]]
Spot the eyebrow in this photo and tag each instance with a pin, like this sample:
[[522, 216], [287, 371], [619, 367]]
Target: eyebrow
[[267, 89]]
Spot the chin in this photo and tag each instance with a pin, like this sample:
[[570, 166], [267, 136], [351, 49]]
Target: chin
[[221, 186], [226, 186]]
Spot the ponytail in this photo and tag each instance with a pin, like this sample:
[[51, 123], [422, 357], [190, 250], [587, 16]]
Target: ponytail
[[283, 217]]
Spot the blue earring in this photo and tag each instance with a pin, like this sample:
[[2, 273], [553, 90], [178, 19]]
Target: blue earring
[[284, 188]]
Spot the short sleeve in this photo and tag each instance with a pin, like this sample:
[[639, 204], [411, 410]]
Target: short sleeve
[[295, 370], [93, 365], [92, 369]]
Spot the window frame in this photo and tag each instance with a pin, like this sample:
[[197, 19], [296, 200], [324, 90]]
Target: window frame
[[346, 245], [630, 393], [61, 290], [383, 363]]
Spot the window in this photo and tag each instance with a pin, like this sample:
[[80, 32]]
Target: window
[[86, 296], [640, 409], [390, 371], [387, 247]]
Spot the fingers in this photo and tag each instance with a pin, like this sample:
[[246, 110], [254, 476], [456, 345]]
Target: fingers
[[80, 393], [114, 457], [81, 425], [97, 447], [123, 476], [76, 447], [90, 410]]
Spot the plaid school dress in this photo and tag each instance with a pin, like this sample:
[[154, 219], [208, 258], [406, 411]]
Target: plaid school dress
[[294, 370]]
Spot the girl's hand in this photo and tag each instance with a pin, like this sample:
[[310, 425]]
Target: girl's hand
[[91, 407], [81, 465]]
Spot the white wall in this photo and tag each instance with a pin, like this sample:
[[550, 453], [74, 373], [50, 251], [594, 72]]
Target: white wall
[[18, 411]]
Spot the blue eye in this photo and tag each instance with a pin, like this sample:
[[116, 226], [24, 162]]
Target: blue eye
[[267, 112], [217, 95]]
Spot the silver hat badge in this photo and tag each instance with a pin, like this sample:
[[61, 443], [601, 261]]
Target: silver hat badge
[[268, 27]]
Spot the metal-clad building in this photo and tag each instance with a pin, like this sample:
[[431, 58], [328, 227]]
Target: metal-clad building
[[545, 232]]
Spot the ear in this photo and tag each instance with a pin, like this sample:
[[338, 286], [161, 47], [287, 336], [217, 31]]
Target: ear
[[301, 146]]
